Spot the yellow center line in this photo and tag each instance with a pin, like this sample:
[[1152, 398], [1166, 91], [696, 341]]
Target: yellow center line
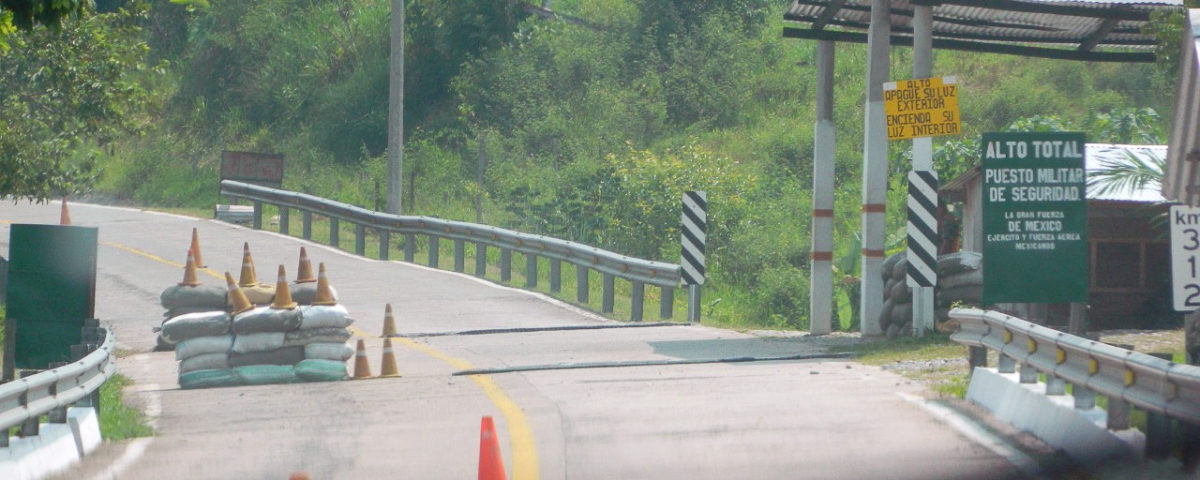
[[520, 435]]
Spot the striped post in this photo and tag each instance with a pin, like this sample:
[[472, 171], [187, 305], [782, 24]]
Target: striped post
[[694, 233], [922, 245]]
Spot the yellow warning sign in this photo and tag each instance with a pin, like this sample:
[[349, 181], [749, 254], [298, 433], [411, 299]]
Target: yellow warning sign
[[923, 107]]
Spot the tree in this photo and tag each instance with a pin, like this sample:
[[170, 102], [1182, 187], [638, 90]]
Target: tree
[[65, 94]]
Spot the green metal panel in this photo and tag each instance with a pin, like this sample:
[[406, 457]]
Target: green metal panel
[[51, 290], [1034, 218]]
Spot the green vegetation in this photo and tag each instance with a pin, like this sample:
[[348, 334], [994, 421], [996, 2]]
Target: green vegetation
[[117, 420], [587, 130]]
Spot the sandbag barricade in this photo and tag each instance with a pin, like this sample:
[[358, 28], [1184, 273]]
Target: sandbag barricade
[[960, 280], [261, 346]]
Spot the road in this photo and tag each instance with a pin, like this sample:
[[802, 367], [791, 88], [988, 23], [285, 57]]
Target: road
[[776, 419]]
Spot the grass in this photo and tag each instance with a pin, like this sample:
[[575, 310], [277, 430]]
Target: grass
[[933, 346], [119, 421]]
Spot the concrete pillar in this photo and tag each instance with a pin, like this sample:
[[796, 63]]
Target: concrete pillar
[[922, 149], [875, 170], [824, 148]]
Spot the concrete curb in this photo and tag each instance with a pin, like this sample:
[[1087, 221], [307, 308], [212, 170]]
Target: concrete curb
[[55, 448]]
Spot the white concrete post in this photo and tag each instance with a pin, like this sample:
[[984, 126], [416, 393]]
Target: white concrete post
[[875, 171], [922, 149], [821, 273]]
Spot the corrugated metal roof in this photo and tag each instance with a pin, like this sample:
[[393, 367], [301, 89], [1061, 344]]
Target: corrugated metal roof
[[1087, 26]]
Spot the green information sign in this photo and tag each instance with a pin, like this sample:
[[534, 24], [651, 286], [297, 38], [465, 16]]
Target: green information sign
[[1034, 218], [51, 290]]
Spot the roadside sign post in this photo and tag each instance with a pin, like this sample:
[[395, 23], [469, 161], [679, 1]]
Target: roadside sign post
[[919, 109], [1185, 255], [1034, 218]]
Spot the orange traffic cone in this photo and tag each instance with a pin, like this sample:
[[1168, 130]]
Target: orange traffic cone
[[196, 250], [491, 464], [190, 279], [249, 277], [324, 295], [304, 273], [389, 322], [387, 367], [299, 476], [64, 217], [236, 298], [361, 368], [283, 296]]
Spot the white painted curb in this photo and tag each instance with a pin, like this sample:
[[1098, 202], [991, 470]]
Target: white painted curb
[[54, 449]]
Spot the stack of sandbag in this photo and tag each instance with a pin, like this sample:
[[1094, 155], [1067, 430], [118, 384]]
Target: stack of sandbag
[[280, 343], [960, 279], [189, 296]]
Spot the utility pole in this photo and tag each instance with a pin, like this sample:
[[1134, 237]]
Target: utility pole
[[396, 110]]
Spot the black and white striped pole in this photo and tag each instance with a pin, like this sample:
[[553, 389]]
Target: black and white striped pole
[[691, 262], [922, 246]]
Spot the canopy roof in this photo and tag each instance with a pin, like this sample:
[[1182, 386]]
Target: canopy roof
[[1071, 30]]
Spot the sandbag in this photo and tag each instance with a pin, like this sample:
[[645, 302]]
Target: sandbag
[[885, 315], [324, 316], [959, 262], [177, 311], [161, 344], [304, 293], [266, 374], [257, 342], [971, 294], [179, 296], [901, 313], [316, 335], [973, 277], [900, 271], [279, 356], [888, 285], [321, 370], [328, 351], [259, 294], [204, 361], [894, 330], [266, 319], [208, 379], [890, 263], [203, 345], [192, 325], [900, 292]]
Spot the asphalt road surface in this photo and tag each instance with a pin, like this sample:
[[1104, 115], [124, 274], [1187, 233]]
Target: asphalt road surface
[[777, 419]]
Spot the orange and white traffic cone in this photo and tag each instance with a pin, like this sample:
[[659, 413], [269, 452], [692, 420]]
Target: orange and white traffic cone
[[190, 279], [304, 273], [236, 298], [249, 277], [283, 296], [324, 295], [389, 322], [196, 249], [387, 366], [362, 369], [64, 216], [491, 463]]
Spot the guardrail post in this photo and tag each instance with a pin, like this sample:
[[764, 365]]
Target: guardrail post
[[29, 427], [58, 415], [1056, 386], [505, 265], [581, 284], [334, 233], [306, 227], [1028, 373], [609, 293], [555, 275], [435, 250], [1085, 399], [531, 272], [480, 259], [639, 297], [410, 245], [976, 357], [666, 303], [258, 215], [385, 244], [1006, 365], [360, 239], [284, 224], [3, 438], [460, 256], [1158, 428]]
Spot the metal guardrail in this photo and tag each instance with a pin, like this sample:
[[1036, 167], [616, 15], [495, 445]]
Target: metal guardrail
[[1151, 383], [611, 265], [30, 397]]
